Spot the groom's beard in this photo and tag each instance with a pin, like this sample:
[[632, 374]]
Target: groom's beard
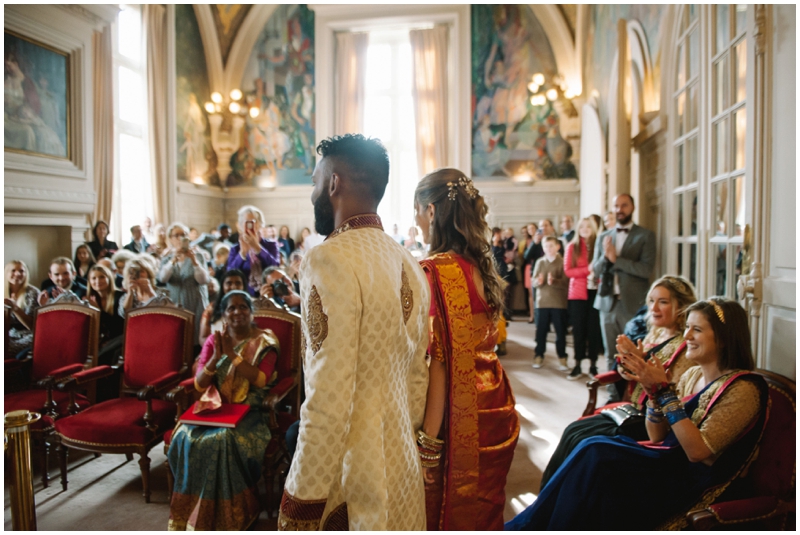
[[324, 221]]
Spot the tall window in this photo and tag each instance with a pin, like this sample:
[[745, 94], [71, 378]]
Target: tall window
[[132, 185], [708, 133], [389, 116]]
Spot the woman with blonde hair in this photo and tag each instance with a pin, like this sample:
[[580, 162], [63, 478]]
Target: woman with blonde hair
[[667, 302], [103, 294], [584, 318], [465, 464], [20, 297], [139, 281]]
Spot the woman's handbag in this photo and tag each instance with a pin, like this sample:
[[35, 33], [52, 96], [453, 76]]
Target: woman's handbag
[[624, 415]]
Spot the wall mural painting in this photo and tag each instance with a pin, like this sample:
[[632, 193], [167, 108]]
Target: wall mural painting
[[197, 161], [278, 144], [36, 98], [510, 136], [600, 46], [228, 19]]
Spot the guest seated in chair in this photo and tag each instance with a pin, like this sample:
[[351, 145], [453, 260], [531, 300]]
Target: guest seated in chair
[[20, 298], [103, 295], [211, 321], [217, 469], [84, 260], [667, 302], [702, 433], [62, 277], [139, 281]]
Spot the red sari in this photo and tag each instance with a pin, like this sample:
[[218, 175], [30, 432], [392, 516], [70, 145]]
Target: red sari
[[480, 426]]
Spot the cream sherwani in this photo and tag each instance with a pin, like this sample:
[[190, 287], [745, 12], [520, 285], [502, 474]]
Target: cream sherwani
[[365, 308]]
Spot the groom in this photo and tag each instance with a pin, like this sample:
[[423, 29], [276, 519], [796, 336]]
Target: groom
[[365, 308]]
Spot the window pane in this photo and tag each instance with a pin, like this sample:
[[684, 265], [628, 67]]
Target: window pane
[[379, 68], [680, 214], [130, 33], [680, 104], [720, 93], [721, 208], [691, 108], [719, 144], [741, 18], [407, 121], [691, 160], [681, 81], [404, 62], [694, 53], [691, 199], [721, 269], [693, 264], [738, 206], [740, 122], [134, 173], [131, 101], [723, 27], [692, 12], [679, 164], [681, 271], [378, 118], [740, 71]]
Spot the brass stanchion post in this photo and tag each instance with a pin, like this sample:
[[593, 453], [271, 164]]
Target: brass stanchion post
[[18, 448]]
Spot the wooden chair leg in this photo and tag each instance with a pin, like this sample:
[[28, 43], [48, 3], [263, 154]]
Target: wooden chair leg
[[129, 456], [62, 457], [144, 465], [44, 452]]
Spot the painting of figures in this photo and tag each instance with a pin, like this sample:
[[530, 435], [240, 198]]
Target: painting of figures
[[510, 136], [36, 98], [197, 161], [278, 142]]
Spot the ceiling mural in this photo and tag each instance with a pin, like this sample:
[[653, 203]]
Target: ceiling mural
[[228, 19]]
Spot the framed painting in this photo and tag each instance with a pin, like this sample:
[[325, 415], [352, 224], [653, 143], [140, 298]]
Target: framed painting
[[36, 98]]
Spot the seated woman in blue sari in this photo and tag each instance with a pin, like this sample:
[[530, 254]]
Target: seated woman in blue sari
[[703, 432], [217, 469]]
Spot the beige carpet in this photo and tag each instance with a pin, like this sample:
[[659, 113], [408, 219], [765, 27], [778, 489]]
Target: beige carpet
[[105, 493]]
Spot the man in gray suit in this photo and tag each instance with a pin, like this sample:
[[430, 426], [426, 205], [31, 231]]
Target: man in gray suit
[[624, 257]]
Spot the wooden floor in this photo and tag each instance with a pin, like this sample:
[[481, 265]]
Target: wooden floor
[[105, 493]]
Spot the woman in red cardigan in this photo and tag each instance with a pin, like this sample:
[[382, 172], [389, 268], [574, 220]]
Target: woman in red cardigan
[[585, 319]]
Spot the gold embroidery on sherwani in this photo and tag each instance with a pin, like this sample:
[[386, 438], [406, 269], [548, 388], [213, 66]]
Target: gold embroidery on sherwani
[[406, 295], [317, 321], [300, 515], [337, 520]]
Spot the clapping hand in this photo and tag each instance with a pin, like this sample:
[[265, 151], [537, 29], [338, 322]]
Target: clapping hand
[[550, 279], [647, 373], [610, 249], [540, 279]]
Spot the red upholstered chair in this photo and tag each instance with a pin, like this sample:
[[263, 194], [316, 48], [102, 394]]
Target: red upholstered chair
[[157, 354], [65, 340], [770, 478], [601, 379], [286, 394]]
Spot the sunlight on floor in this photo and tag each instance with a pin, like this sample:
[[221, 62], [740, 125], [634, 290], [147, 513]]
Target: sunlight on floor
[[522, 501]]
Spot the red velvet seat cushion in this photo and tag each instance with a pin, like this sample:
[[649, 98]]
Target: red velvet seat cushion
[[61, 338], [153, 347], [34, 400], [285, 420], [168, 437], [117, 422]]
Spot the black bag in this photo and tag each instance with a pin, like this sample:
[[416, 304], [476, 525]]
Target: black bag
[[624, 415], [606, 281]]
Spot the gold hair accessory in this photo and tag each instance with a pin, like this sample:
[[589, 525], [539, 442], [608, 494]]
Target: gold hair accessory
[[465, 183], [718, 310]]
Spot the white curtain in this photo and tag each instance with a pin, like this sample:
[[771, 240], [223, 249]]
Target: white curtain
[[350, 92], [429, 53], [102, 82], [154, 22]]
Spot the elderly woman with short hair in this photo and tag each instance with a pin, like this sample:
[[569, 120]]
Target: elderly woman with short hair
[[252, 254], [183, 271]]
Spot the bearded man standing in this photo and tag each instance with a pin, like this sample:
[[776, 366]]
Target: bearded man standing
[[365, 304]]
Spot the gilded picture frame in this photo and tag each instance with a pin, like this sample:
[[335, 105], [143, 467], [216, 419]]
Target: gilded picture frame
[[37, 95]]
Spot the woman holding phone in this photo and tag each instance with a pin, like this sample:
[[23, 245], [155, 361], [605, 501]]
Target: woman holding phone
[[252, 254], [183, 272]]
